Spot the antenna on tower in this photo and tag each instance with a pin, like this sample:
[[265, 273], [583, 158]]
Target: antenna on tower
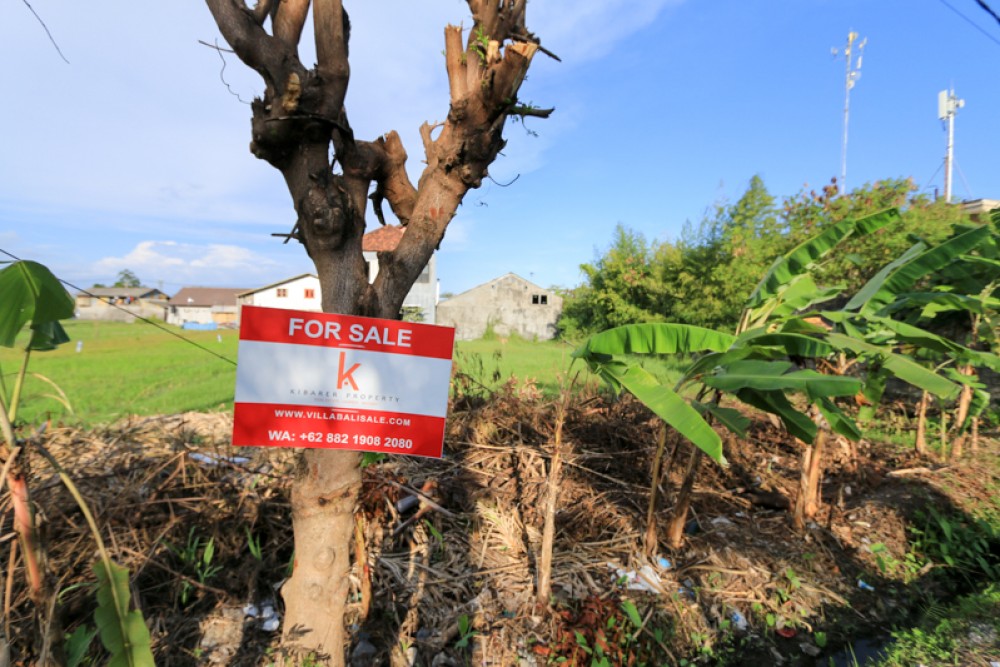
[[853, 73], [948, 106]]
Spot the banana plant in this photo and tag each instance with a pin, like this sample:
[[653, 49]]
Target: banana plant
[[33, 296], [751, 366], [891, 314]]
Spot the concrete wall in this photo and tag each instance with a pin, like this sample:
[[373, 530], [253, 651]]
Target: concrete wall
[[101, 310], [511, 304]]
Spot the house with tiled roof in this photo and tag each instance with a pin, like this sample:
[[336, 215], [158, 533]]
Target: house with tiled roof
[[421, 303], [120, 304], [205, 307], [303, 292]]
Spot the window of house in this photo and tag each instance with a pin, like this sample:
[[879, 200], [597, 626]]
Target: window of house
[[282, 292], [539, 299], [310, 293], [545, 299], [534, 299]]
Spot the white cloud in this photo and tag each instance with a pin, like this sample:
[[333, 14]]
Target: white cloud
[[185, 263]]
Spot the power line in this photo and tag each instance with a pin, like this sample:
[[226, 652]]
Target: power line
[[135, 315], [971, 22], [988, 10]]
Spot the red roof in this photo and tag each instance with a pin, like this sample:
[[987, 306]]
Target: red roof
[[383, 239]]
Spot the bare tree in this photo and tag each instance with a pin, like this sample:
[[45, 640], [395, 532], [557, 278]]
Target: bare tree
[[294, 125]]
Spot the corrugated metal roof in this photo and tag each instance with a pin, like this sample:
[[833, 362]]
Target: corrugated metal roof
[[207, 296]]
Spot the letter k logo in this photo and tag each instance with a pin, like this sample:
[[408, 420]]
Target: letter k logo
[[347, 377]]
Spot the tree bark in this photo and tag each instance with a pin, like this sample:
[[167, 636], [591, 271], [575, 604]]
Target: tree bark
[[921, 442], [544, 592], [675, 529], [294, 124], [651, 540]]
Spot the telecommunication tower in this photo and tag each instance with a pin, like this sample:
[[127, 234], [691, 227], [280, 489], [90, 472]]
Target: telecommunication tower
[[948, 106], [853, 73]]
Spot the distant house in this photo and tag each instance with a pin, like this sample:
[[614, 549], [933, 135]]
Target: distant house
[[508, 304], [302, 292], [205, 307], [421, 302], [120, 304], [979, 209], [298, 293]]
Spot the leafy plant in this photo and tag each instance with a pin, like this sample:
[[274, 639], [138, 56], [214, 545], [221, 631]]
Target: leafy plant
[[196, 555], [33, 296], [465, 632]]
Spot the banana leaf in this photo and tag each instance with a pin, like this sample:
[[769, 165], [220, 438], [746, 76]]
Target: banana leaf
[[123, 632], [804, 256], [780, 376], [907, 333], [728, 417], [901, 366], [665, 403], [31, 294], [838, 420], [655, 338], [776, 403], [882, 290]]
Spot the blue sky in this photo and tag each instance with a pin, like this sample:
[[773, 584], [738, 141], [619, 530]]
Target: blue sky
[[135, 154]]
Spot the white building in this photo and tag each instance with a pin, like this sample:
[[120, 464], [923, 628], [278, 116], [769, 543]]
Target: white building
[[303, 292], [298, 293]]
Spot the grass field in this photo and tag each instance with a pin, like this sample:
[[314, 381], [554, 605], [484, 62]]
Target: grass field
[[137, 369]]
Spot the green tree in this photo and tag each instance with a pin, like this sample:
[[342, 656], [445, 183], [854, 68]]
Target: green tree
[[127, 279], [707, 275], [621, 288]]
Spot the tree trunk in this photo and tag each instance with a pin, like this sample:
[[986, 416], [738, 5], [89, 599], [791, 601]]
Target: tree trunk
[[294, 125], [961, 414], [551, 504], [675, 529], [807, 502], [921, 443], [651, 540]]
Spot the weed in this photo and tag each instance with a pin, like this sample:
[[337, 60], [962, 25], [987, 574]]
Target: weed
[[465, 632], [253, 544], [196, 556]]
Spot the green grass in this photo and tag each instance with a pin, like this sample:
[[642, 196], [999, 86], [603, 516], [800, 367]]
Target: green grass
[[137, 369], [126, 369], [964, 633]]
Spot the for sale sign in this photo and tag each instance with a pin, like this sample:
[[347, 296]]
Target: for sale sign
[[309, 379]]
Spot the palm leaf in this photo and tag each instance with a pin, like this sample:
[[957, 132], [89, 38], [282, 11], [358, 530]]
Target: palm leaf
[[779, 376]]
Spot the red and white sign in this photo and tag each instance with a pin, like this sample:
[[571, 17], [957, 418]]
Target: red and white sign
[[318, 380]]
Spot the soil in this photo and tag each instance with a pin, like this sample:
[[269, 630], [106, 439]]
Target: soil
[[453, 579]]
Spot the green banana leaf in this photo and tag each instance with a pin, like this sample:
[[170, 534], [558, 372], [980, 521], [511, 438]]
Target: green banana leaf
[[775, 402], [899, 365], [838, 420], [31, 294], [658, 338], [728, 417], [123, 632], [780, 376], [665, 403], [793, 344], [935, 303], [909, 334], [804, 256], [881, 290], [875, 381]]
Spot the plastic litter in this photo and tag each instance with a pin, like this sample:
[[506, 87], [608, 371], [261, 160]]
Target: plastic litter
[[739, 621], [646, 579], [787, 633], [863, 585], [212, 460], [663, 563], [721, 521], [691, 527], [271, 624]]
